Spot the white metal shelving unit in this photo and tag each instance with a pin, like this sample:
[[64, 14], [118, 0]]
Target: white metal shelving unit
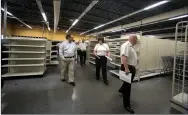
[[54, 52], [92, 44], [179, 99], [26, 56], [114, 45], [48, 51]]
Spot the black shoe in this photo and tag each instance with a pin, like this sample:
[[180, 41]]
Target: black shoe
[[129, 109], [120, 91], [72, 83], [63, 80], [106, 82], [97, 78]]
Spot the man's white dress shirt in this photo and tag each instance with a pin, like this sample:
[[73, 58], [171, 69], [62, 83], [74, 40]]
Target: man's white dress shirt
[[128, 51], [67, 49], [101, 49], [83, 46]]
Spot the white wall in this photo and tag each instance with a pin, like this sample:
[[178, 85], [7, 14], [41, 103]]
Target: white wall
[[152, 48]]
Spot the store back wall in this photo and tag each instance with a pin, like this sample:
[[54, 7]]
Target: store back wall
[[38, 32]]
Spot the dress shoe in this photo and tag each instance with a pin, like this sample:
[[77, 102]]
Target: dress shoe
[[63, 80], [129, 109], [120, 91], [106, 82], [72, 83]]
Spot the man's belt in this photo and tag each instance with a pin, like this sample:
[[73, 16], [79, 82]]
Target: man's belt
[[70, 57]]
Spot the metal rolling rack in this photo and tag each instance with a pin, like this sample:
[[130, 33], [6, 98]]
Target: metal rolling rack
[[26, 56], [179, 99], [167, 64]]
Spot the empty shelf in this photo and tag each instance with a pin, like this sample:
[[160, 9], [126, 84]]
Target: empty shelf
[[22, 74], [54, 62], [37, 46], [181, 98], [116, 64], [27, 52], [116, 72], [92, 62], [91, 53], [53, 56], [22, 65], [116, 55], [54, 51], [23, 59], [92, 57]]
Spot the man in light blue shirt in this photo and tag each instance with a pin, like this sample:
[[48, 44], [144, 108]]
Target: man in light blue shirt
[[67, 51]]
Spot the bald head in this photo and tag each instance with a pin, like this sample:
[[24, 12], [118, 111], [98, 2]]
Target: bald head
[[133, 39]]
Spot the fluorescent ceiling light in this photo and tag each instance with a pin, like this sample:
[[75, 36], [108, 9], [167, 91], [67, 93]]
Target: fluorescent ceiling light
[[156, 4], [29, 26], [49, 28], [118, 30], [44, 16], [75, 22], [16, 18], [7, 12], [99, 26], [129, 15], [83, 13], [179, 17]]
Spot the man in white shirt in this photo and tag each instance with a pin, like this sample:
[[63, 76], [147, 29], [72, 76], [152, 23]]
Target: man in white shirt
[[128, 63], [83, 47], [67, 51]]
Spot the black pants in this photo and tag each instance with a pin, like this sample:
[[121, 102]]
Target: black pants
[[101, 63], [126, 87], [78, 54], [82, 57]]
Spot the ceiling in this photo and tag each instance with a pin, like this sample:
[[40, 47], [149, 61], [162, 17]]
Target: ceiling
[[104, 11]]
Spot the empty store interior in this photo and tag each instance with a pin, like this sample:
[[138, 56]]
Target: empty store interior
[[34, 31]]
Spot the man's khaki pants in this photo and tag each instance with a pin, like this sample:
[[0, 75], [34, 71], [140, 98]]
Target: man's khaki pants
[[67, 66]]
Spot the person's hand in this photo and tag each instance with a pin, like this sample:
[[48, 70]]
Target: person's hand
[[62, 57], [127, 70]]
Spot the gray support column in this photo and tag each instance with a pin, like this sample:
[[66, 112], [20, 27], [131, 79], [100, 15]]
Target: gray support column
[[5, 19]]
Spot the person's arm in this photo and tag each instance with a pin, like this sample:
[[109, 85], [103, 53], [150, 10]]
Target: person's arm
[[61, 50], [95, 50], [124, 60], [108, 50], [124, 57]]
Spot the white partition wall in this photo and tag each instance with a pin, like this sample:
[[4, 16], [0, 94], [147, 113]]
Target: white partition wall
[[153, 48], [27, 56]]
